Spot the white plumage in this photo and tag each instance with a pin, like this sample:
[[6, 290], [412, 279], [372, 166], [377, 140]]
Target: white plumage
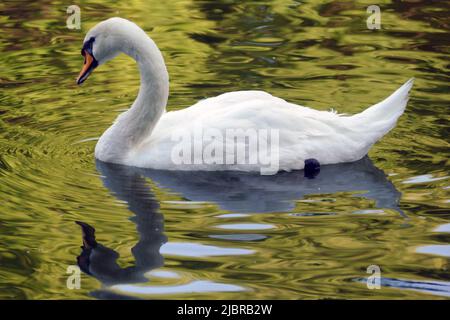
[[143, 136]]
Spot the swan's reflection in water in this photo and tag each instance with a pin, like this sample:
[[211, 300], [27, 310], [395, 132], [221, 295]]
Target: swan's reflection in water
[[438, 288], [243, 192], [236, 192]]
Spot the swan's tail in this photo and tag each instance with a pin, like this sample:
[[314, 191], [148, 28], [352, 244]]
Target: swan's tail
[[380, 118]]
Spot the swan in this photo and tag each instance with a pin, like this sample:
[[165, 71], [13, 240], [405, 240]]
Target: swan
[[208, 135]]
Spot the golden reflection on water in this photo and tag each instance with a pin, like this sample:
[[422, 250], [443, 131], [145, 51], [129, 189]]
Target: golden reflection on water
[[247, 237]]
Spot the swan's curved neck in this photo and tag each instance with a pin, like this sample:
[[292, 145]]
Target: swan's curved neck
[[136, 124]]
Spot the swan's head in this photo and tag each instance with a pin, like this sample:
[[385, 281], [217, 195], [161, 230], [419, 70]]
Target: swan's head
[[105, 41]]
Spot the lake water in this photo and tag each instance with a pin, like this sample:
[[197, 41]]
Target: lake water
[[224, 235]]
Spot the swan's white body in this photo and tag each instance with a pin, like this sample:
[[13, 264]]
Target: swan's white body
[[143, 136]]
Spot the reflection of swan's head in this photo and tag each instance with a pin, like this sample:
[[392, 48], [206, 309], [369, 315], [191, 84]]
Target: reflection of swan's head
[[108, 39]]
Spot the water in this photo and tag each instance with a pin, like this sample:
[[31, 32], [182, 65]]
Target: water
[[224, 235]]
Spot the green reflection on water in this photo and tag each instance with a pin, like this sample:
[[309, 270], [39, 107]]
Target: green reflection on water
[[314, 53]]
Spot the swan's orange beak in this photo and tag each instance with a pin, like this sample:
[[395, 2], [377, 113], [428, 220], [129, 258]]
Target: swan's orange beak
[[89, 65]]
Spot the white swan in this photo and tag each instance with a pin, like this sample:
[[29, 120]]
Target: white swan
[[147, 136]]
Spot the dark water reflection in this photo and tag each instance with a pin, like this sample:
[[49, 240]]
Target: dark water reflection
[[100, 261]]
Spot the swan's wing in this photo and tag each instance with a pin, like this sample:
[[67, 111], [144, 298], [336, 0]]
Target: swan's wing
[[260, 110]]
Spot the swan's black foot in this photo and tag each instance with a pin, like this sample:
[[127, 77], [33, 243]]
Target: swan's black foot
[[312, 168]]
